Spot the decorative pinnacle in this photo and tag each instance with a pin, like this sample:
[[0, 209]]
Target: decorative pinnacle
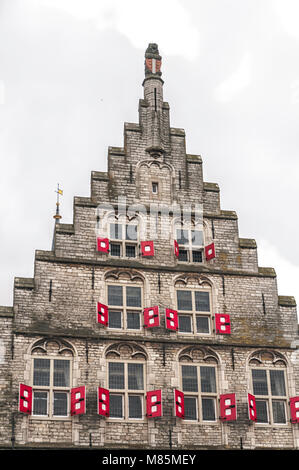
[[152, 60]]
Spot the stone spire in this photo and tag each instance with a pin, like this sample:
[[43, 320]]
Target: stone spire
[[153, 95]]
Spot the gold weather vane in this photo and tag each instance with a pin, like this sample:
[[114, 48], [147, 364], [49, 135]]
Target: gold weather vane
[[57, 216]]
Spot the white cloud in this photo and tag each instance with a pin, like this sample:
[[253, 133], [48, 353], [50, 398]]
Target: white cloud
[[239, 80], [166, 22], [287, 273]]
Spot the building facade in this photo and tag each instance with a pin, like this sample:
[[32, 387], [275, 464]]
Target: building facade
[[150, 324]]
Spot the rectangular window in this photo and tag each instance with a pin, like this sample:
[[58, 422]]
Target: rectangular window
[[197, 256], [114, 319], [197, 238], [200, 401], [120, 234], [51, 380], [130, 251], [194, 302], [133, 320], [131, 232], [115, 295], [270, 388], [115, 249], [133, 296], [155, 187], [191, 243], [116, 231], [127, 380], [129, 298], [183, 255]]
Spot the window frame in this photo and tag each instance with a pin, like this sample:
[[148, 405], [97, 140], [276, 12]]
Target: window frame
[[124, 309], [270, 398], [193, 313], [199, 395], [126, 392], [123, 242], [51, 389], [190, 247]]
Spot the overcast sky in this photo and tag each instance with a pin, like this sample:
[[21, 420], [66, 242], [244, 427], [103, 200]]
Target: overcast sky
[[71, 74]]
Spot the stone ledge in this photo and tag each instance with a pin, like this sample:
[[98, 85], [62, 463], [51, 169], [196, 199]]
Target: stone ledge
[[131, 126], [117, 151], [49, 256], [286, 301], [67, 229], [212, 187], [194, 158], [24, 283], [229, 215], [6, 311], [99, 175], [247, 243], [176, 131]]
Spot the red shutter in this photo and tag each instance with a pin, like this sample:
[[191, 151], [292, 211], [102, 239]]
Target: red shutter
[[102, 314], [294, 405], [151, 317], [25, 399], [179, 404], [147, 248], [78, 401], [176, 248], [171, 319], [103, 401], [251, 407], [228, 411], [103, 245], [222, 323], [154, 404], [210, 251]]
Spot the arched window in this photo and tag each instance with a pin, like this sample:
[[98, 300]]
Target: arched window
[[268, 381], [126, 381], [194, 305], [51, 378], [199, 383]]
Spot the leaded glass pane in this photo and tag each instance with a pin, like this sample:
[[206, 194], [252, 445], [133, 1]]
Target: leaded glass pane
[[197, 237], [114, 319], [189, 376], [130, 251], [133, 320], [278, 407], [116, 231], [116, 375], [133, 296], [131, 232], [115, 249], [183, 255], [190, 408], [135, 376], [197, 256], [40, 403], [61, 373], [208, 379], [259, 379], [41, 372], [277, 383], [208, 409], [182, 237], [185, 323], [115, 295], [184, 298], [202, 324], [116, 406], [202, 301], [261, 411], [135, 406], [60, 404]]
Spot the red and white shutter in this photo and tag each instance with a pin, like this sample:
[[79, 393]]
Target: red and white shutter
[[154, 404], [151, 317], [294, 407], [102, 314], [179, 404], [210, 251], [25, 399], [147, 248], [222, 324], [228, 410], [251, 407], [176, 249], [78, 400], [103, 245], [103, 401], [171, 319]]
